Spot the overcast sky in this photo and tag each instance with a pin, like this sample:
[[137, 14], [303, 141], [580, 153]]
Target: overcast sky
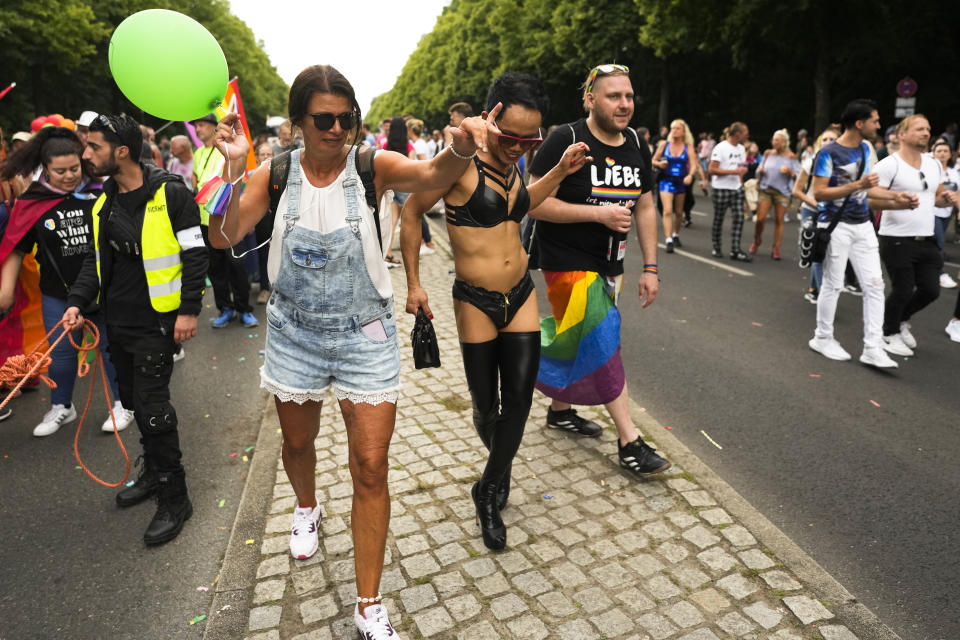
[[371, 54]]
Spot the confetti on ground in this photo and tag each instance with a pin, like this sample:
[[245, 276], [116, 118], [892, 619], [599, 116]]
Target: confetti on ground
[[262, 352], [667, 428], [250, 335], [248, 449], [279, 430], [233, 455], [213, 357], [203, 588], [214, 583], [221, 503], [643, 409], [547, 496], [246, 342], [250, 541], [712, 441], [245, 459], [814, 375], [206, 415], [757, 324], [875, 403], [241, 359], [198, 619], [729, 275], [684, 298], [130, 484], [603, 483], [79, 467], [228, 395]]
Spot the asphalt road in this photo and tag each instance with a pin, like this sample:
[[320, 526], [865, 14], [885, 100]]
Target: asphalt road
[[72, 564], [856, 465]]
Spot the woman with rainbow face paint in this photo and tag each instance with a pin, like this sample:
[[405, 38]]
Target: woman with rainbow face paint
[[497, 317]]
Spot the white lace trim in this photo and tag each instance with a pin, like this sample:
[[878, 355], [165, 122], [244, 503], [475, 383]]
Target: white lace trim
[[287, 394], [367, 397]]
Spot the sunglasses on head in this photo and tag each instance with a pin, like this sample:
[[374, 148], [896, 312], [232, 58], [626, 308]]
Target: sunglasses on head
[[324, 121], [923, 180], [604, 69], [526, 144]]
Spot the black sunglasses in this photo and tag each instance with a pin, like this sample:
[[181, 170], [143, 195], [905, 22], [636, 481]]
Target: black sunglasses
[[324, 121], [923, 180]]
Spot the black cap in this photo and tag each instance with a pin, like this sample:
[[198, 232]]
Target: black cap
[[212, 119]]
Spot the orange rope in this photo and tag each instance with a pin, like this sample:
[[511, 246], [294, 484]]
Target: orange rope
[[24, 367]]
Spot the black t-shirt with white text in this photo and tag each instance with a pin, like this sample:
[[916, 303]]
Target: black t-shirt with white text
[[618, 176], [65, 233]]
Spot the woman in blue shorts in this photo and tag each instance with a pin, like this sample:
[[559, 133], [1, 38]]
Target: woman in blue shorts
[[677, 161], [330, 317]]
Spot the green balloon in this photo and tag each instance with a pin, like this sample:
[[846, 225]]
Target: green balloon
[[184, 81]]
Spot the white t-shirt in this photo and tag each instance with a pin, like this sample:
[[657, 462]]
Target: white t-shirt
[[895, 174], [728, 157], [431, 149], [951, 182], [323, 209], [420, 148]]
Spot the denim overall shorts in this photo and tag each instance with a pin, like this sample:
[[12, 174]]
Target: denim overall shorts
[[327, 325]]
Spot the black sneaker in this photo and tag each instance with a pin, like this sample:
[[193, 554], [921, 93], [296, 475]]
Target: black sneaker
[[740, 256], [669, 246], [687, 221], [677, 243], [568, 420], [640, 458], [717, 252]]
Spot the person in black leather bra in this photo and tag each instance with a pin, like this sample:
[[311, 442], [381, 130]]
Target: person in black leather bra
[[497, 317]]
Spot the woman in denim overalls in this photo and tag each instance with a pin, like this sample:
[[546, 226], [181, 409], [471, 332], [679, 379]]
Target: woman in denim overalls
[[330, 317]]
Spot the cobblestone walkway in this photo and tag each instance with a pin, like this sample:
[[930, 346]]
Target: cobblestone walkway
[[592, 553]]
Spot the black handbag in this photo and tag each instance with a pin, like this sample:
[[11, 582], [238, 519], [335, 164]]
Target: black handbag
[[426, 351]]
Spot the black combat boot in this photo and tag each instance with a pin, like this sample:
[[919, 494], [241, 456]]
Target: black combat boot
[[173, 508], [144, 486]]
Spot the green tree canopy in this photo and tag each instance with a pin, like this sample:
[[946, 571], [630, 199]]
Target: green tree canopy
[[56, 52]]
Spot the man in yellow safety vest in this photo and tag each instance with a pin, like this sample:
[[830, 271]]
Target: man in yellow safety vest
[[147, 272]]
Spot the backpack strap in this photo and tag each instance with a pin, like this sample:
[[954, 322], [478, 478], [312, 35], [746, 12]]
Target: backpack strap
[[279, 169], [367, 174]]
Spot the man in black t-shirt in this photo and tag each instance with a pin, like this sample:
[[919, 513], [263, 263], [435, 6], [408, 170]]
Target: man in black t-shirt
[[147, 272], [579, 243]]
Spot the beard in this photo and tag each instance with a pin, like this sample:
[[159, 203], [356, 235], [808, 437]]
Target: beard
[[606, 122], [108, 168]]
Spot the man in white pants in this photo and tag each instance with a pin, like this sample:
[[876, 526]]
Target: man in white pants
[[841, 180]]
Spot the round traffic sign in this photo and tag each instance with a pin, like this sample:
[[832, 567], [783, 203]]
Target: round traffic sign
[[906, 87]]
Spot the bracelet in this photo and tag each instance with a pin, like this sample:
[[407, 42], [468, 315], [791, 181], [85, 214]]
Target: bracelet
[[650, 268], [654, 265], [379, 598], [460, 155]]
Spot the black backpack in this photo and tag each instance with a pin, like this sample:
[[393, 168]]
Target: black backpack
[[280, 168]]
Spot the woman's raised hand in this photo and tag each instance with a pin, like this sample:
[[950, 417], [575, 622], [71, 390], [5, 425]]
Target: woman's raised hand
[[574, 158], [230, 139], [475, 131]]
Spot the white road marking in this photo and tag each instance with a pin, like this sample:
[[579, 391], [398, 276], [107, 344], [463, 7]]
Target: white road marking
[[712, 263]]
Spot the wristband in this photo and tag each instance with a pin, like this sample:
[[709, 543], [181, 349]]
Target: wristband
[[650, 268]]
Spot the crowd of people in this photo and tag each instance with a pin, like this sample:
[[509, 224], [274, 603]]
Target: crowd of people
[[102, 219]]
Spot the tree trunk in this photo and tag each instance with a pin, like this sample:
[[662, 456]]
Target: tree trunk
[[821, 93], [662, 114]]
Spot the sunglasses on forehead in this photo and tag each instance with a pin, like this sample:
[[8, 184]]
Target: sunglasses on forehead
[[602, 70], [324, 121]]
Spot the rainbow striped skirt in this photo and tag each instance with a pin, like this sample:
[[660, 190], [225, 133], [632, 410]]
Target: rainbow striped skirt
[[580, 345]]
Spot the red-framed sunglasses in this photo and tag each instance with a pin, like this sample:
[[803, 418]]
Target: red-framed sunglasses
[[506, 140]]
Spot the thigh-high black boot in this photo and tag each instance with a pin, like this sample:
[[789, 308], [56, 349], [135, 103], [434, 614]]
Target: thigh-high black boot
[[519, 360]]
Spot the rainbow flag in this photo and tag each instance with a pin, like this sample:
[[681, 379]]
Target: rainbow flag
[[580, 344], [233, 104]]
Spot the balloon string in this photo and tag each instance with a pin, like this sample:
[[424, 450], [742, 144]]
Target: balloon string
[[223, 218]]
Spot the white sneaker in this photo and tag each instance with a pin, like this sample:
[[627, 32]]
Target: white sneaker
[[895, 345], [830, 348], [947, 282], [180, 355], [425, 250], [877, 357], [304, 534], [374, 624], [953, 330], [58, 416], [907, 336], [124, 418]]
